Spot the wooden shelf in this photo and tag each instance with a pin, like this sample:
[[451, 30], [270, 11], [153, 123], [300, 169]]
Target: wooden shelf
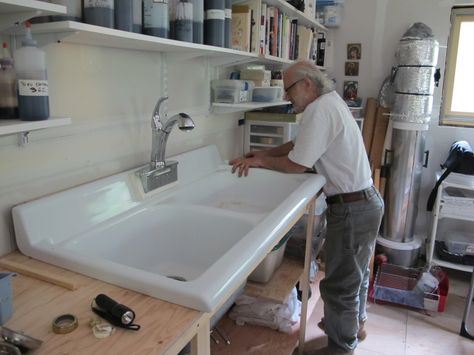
[[13, 12], [8, 127], [281, 283], [247, 106]]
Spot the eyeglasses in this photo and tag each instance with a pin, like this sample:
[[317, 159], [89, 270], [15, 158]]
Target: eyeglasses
[[296, 82]]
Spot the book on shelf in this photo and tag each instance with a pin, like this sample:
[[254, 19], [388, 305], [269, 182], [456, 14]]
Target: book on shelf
[[241, 27], [305, 42]]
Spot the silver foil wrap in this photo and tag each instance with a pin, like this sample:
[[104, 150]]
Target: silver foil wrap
[[409, 118], [415, 80], [418, 52], [415, 106]]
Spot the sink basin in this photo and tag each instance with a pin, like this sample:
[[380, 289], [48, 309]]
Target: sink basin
[[193, 242]]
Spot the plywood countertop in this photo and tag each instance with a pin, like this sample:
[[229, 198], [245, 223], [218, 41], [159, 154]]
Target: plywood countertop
[[36, 303]]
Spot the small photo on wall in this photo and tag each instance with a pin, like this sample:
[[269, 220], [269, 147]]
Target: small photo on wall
[[354, 51], [350, 90], [352, 69]]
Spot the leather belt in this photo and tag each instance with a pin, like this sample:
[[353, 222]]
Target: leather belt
[[351, 196]]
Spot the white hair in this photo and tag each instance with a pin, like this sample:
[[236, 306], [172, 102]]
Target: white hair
[[307, 69]]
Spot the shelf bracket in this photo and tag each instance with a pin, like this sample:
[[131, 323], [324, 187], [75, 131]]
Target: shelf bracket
[[23, 138], [10, 20]]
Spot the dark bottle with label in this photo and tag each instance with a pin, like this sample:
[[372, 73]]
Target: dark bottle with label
[[156, 18], [99, 12], [321, 49], [8, 99], [30, 65], [214, 18]]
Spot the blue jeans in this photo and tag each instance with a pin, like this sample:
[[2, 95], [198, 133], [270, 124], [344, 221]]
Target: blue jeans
[[351, 231]]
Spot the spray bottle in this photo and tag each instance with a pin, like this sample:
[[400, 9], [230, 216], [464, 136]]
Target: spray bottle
[[30, 64], [8, 99]]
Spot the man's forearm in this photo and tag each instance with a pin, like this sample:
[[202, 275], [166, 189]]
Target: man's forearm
[[281, 163], [281, 150]]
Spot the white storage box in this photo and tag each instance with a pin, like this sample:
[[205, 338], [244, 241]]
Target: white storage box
[[267, 267], [232, 91], [258, 76], [267, 94]]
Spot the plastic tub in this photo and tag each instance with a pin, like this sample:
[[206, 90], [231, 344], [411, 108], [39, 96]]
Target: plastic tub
[[267, 94], [267, 267], [232, 91]]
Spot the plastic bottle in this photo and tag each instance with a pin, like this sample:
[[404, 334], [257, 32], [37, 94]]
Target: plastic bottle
[[8, 98], [99, 12], [74, 10], [198, 21], [228, 24], [156, 18], [214, 16], [137, 16], [124, 15], [184, 21], [30, 64]]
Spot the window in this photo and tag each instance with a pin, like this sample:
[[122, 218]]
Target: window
[[458, 92]]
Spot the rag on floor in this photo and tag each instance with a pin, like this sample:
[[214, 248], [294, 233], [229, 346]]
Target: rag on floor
[[256, 311]]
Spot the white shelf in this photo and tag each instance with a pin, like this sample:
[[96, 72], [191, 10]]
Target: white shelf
[[85, 34], [450, 265], [16, 126], [13, 12], [247, 106]]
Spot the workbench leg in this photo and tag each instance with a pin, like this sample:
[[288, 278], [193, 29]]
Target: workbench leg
[[305, 279], [200, 343]]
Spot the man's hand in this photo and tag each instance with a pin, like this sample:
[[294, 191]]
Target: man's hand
[[243, 164]]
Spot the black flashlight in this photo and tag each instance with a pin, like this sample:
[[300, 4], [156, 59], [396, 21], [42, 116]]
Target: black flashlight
[[121, 313]]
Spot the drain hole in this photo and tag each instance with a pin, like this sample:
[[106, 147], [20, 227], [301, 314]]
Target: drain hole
[[177, 278]]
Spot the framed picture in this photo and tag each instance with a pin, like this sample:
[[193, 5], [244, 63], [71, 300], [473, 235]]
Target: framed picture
[[354, 51], [350, 90], [351, 68]]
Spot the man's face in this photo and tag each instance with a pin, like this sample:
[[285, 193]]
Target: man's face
[[294, 92]]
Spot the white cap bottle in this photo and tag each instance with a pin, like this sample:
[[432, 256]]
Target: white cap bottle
[[30, 65]]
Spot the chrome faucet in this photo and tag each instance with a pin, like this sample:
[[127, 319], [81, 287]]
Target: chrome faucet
[[160, 172]]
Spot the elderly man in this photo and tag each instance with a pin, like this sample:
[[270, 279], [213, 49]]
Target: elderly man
[[329, 141]]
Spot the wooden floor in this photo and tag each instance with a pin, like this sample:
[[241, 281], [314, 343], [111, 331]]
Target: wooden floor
[[251, 339]]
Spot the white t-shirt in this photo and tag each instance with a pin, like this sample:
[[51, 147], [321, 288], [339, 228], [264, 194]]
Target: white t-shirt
[[330, 140]]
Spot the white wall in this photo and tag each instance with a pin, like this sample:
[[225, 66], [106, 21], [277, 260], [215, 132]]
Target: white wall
[[109, 94], [378, 25]]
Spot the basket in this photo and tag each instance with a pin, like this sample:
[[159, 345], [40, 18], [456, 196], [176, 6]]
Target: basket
[[397, 284]]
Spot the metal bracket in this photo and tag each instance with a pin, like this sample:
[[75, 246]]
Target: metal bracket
[[23, 138]]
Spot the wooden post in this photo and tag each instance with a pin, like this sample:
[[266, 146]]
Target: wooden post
[[305, 278]]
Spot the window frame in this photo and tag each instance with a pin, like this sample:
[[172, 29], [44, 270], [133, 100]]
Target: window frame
[[447, 117]]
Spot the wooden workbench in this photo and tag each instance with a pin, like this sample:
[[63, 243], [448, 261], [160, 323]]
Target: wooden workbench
[[165, 327]]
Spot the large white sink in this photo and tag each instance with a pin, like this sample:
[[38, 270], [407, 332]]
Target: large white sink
[[193, 242]]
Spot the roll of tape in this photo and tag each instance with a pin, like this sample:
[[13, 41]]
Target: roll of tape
[[65, 323]]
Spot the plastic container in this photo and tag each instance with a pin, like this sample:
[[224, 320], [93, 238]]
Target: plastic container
[[99, 13], [30, 65], [74, 10], [333, 15], [458, 243], [264, 271], [232, 91], [184, 21], [6, 297], [156, 18], [198, 21], [214, 22], [8, 98], [124, 15], [228, 24], [267, 94], [137, 16]]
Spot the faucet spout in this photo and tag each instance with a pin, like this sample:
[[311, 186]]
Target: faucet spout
[[161, 128]]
